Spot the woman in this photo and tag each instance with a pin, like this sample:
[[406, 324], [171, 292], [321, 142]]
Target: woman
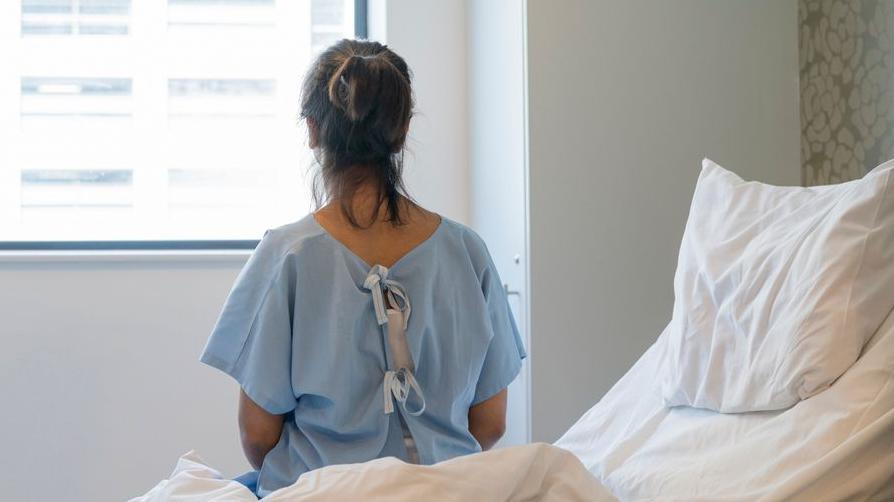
[[372, 327]]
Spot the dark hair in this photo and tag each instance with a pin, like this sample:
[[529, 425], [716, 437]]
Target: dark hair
[[357, 95]]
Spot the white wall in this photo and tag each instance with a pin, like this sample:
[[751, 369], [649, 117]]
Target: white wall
[[100, 379], [431, 36], [625, 98], [497, 153]]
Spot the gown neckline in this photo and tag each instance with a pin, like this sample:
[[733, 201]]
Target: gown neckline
[[397, 262]]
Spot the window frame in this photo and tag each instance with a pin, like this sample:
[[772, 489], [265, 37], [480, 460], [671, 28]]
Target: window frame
[[361, 30]]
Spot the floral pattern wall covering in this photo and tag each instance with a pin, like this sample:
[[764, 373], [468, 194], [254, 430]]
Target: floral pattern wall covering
[[846, 51]]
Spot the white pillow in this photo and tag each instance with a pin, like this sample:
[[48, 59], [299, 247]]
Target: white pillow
[[777, 289]]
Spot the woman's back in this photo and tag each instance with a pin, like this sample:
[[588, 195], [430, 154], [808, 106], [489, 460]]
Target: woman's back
[[299, 332]]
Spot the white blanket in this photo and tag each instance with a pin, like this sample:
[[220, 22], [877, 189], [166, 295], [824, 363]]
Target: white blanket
[[530, 472], [836, 445]]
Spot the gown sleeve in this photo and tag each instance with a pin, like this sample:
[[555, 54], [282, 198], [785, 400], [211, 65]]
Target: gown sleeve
[[506, 350], [252, 340]]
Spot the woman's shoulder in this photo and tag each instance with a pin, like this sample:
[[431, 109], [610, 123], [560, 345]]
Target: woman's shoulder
[[290, 239], [461, 232], [467, 242]]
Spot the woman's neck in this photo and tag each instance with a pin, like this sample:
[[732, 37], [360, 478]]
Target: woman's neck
[[367, 204]]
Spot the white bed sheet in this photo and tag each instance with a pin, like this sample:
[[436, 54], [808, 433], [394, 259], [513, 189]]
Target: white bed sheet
[[837, 445], [522, 473]]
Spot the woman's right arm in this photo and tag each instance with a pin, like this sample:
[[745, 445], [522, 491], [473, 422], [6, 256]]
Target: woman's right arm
[[259, 430], [487, 420]]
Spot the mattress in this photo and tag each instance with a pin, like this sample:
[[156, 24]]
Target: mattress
[[836, 445]]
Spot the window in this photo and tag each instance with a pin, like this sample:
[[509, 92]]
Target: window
[[75, 17], [43, 97], [156, 123], [190, 14], [221, 98]]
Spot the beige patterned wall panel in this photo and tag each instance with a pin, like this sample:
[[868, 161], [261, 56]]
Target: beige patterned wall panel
[[847, 87]]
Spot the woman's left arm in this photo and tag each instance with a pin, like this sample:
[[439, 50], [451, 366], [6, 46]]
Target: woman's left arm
[[487, 420]]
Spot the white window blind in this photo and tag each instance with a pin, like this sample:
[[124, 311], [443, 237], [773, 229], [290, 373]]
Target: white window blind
[[156, 120]]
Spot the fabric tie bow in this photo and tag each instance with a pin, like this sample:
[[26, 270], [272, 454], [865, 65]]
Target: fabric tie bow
[[398, 382]]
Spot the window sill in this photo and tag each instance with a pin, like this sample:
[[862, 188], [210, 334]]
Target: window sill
[[172, 255]]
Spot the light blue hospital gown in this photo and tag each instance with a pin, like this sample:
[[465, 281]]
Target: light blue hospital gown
[[299, 333]]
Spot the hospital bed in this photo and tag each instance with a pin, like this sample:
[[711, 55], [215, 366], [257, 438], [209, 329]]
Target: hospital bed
[[835, 444]]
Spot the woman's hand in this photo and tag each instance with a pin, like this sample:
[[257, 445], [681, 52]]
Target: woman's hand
[[259, 430], [487, 420]]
